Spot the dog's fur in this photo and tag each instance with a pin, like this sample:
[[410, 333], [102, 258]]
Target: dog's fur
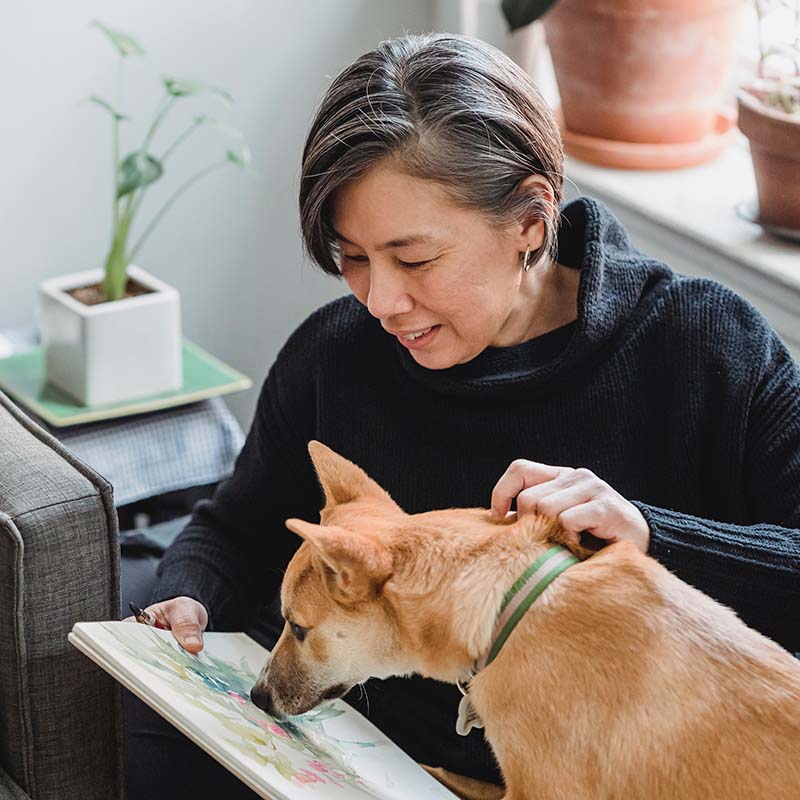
[[621, 681]]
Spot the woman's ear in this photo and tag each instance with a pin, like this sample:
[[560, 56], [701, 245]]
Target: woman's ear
[[536, 200]]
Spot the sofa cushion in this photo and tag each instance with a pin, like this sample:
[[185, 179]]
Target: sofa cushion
[[60, 718]]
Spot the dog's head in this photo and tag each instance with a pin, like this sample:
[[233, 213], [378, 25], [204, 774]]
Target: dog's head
[[367, 594], [339, 626]]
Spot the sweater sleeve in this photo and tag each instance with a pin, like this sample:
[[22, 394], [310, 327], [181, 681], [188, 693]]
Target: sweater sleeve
[[232, 553], [752, 567]]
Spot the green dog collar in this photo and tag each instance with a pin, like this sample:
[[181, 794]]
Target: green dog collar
[[517, 600]]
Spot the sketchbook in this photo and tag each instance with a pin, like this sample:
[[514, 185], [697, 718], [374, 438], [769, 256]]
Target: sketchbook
[[331, 752]]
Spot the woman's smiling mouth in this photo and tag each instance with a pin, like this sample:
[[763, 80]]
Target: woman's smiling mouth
[[418, 338]]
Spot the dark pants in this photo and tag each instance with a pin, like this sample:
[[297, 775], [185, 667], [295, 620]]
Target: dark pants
[[160, 762]]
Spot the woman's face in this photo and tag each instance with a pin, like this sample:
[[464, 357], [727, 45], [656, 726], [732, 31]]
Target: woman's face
[[439, 277]]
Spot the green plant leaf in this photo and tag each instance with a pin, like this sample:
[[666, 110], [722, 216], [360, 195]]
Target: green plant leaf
[[126, 45], [138, 169], [107, 106], [180, 88], [519, 13], [242, 159]]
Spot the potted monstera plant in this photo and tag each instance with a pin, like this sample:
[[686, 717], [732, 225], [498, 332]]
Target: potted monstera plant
[[769, 115], [114, 333]]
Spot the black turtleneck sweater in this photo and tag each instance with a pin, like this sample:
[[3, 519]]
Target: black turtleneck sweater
[[672, 389]]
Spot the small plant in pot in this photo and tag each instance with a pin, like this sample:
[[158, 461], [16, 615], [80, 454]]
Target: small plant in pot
[[114, 333], [769, 115]]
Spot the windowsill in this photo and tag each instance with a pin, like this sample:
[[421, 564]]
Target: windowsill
[[687, 218], [698, 203]]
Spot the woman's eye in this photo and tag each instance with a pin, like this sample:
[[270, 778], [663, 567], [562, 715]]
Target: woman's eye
[[365, 260], [298, 632]]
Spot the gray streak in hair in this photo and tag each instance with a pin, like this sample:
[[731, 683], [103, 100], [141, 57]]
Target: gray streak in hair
[[444, 108]]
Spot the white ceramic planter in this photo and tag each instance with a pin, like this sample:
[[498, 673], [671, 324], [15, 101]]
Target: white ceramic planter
[[111, 352]]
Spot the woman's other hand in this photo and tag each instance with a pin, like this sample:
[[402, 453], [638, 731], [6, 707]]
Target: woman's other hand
[[185, 617], [576, 497]]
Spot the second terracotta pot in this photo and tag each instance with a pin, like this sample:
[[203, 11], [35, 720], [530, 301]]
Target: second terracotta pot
[[775, 148], [648, 71]]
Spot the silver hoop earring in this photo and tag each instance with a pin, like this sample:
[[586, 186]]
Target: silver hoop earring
[[525, 261]]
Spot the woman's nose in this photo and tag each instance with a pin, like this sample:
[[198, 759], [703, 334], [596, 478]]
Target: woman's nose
[[388, 292]]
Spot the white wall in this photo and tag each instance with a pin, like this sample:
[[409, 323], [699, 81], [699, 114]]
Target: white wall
[[231, 244]]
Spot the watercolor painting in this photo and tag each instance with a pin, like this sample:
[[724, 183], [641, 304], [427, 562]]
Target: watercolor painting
[[331, 752]]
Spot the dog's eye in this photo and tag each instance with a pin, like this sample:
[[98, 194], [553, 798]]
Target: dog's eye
[[298, 632]]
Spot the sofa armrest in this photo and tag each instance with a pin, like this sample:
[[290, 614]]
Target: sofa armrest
[[60, 715], [9, 790]]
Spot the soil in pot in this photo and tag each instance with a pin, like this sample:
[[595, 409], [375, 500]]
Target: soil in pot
[[93, 295]]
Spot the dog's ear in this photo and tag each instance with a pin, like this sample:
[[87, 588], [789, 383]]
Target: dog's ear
[[342, 481], [358, 565]]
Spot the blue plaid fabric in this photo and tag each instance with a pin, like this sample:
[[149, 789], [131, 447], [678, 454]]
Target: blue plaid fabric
[[150, 454]]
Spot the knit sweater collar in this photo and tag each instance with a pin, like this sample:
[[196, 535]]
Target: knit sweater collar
[[617, 285]]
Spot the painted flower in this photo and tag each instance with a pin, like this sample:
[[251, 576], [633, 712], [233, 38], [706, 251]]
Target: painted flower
[[306, 776], [277, 730], [270, 726]]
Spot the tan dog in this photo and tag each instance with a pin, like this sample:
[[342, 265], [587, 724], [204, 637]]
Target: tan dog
[[620, 681]]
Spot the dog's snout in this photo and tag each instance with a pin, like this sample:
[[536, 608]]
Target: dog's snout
[[262, 697]]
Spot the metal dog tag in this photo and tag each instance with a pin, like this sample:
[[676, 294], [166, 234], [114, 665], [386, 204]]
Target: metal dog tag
[[467, 715]]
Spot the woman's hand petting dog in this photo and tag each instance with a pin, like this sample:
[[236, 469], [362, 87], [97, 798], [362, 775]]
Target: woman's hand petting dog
[[185, 617], [576, 497]]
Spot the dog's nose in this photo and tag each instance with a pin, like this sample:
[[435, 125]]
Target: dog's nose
[[262, 697]]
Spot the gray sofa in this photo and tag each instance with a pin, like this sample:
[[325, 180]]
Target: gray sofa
[[60, 715]]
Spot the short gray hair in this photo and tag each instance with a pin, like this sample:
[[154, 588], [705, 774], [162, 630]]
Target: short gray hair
[[445, 108]]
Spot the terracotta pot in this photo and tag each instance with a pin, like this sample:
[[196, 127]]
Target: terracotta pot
[[775, 149], [648, 71]]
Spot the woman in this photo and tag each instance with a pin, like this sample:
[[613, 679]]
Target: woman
[[496, 348]]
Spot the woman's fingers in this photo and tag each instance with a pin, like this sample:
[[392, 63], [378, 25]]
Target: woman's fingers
[[577, 498], [609, 517], [520, 475], [591, 516], [186, 618], [551, 499]]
